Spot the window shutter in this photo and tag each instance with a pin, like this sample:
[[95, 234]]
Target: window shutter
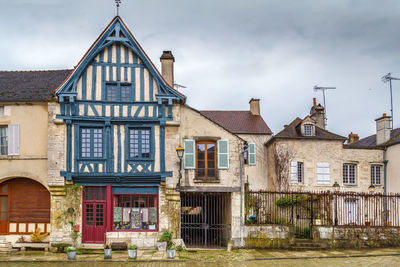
[[323, 173], [223, 154], [189, 155], [293, 172], [252, 154], [13, 139]]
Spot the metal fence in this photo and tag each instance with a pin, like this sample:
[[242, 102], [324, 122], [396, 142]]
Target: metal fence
[[305, 209]]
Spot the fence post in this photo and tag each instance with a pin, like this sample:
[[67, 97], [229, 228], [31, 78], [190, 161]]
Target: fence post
[[312, 214]]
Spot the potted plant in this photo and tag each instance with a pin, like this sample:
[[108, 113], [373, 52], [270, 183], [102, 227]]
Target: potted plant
[[71, 253], [107, 252], [132, 252], [171, 251], [163, 241]]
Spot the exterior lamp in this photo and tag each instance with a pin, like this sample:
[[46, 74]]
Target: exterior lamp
[[371, 188], [179, 151], [336, 186]]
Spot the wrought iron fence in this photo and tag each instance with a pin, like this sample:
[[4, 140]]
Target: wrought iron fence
[[305, 209]]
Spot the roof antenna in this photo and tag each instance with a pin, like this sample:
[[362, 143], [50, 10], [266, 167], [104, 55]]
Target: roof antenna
[[388, 78], [316, 88], [117, 2]]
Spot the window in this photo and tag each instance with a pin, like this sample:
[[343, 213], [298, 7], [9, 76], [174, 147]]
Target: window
[[246, 157], [206, 160], [118, 92], [3, 141], [135, 212], [323, 173], [95, 193], [9, 140], [1, 111], [139, 143], [349, 173], [376, 174], [91, 142], [308, 130], [296, 172]]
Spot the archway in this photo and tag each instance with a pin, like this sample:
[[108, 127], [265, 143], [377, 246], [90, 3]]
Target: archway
[[24, 206]]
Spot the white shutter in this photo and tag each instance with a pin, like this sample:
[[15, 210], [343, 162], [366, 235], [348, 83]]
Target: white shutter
[[293, 173], [252, 154], [323, 173], [13, 139], [189, 155], [223, 154]]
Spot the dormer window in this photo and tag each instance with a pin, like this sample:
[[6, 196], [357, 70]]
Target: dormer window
[[308, 130]]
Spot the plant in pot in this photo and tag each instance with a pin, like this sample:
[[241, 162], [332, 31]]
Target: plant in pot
[[107, 252], [163, 241], [171, 251], [132, 252], [71, 253]]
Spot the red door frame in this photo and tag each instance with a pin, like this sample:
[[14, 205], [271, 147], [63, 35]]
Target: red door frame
[[86, 229]]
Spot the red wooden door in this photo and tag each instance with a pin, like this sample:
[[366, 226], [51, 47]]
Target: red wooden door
[[94, 219]]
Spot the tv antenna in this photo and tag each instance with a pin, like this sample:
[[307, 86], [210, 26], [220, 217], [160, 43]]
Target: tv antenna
[[322, 88], [178, 86], [117, 3], [388, 78]]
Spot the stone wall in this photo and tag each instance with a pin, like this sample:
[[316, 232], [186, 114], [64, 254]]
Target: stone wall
[[356, 237], [266, 236]]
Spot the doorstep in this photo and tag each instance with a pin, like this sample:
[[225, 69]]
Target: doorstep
[[92, 246]]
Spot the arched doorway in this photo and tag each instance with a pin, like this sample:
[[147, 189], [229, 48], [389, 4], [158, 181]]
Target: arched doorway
[[24, 206]]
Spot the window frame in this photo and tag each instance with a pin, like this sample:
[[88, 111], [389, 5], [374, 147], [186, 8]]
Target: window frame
[[91, 147], [206, 177], [156, 197], [309, 127], [2, 111], [374, 172], [348, 173], [6, 138], [128, 143], [118, 92]]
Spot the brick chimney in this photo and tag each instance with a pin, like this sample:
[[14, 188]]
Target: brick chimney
[[255, 106], [167, 67], [352, 138], [317, 113], [383, 129]]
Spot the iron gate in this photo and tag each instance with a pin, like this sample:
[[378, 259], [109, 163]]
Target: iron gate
[[205, 219], [302, 215]]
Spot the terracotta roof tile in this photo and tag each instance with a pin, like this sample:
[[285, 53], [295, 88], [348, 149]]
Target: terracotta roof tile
[[239, 122], [30, 86]]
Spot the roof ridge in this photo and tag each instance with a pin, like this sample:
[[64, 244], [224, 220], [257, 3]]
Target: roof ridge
[[35, 70], [214, 110]]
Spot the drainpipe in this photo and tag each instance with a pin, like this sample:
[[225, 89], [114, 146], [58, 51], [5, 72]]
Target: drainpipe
[[385, 162], [241, 194]]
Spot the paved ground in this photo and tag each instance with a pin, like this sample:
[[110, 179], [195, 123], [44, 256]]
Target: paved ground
[[218, 258]]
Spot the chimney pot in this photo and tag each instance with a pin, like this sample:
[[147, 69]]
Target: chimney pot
[[384, 114], [167, 67], [314, 101], [255, 106], [352, 138]]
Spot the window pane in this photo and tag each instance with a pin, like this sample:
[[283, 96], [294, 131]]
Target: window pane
[[111, 91], [97, 143], [103, 193], [89, 214], [134, 143], [85, 142], [3, 207], [99, 214], [201, 148], [4, 188], [3, 141], [125, 93], [145, 143]]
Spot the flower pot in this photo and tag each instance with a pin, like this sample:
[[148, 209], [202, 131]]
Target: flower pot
[[367, 223], [107, 253], [161, 246], [171, 253], [71, 255], [132, 253]]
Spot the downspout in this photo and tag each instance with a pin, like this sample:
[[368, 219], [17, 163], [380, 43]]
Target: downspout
[[385, 162], [241, 194]]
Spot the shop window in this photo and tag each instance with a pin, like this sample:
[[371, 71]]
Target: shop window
[[135, 212]]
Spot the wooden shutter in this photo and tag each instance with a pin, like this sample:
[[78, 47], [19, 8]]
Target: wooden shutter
[[252, 154], [323, 173], [13, 139], [293, 173], [223, 153], [189, 155]]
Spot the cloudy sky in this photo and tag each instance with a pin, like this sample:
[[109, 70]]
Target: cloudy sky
[[227, 52]]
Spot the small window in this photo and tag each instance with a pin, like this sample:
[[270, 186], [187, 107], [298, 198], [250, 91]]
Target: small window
[[308, 131], [1, 111], [111, 92], [91, 142], [118, 92], [139, 143], [296, 172], [206, 160], [3, 140], [376, 174], [246, 157], [349, 174]]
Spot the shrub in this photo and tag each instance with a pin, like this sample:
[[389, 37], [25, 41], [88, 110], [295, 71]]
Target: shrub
[[133, 247]]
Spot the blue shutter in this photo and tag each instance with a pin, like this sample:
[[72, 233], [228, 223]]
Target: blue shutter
[[252, 154], [189, 155], [223, 154]]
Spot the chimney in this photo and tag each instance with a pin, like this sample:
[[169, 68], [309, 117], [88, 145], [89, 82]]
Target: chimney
[[383, 129], [255, 106], [352, 138], [317, 113], [167, 67]]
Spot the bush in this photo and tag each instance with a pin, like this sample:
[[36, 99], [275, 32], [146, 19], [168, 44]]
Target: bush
[[133, 247], [71, 249]]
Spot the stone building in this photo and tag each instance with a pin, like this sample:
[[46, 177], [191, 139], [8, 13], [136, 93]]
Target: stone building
[[305, 156]]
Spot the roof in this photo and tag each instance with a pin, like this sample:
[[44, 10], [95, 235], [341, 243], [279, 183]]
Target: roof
[[30, 86], [293, 131], [370, 141], [239, 122]]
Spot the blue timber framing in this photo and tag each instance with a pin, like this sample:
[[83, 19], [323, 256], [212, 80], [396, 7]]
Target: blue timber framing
[[115, 118]]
